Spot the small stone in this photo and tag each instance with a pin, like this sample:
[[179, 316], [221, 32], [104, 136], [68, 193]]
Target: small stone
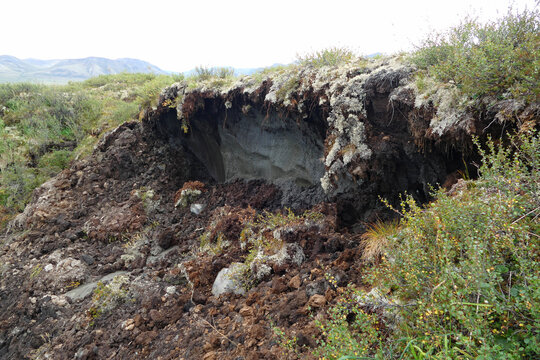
[[295, 282], [198, 297], [170, 290], [167, 238], [129, 324], [196, 208], [145, 338], [48, 267], [138, 320], [278, 285], [87, 259], [317, 301], [229, 280], [258, 332], [58, 300], [316, 272], [156, 316]]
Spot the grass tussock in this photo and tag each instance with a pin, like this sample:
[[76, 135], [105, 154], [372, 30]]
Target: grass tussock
[[376, 238], [332, 56]]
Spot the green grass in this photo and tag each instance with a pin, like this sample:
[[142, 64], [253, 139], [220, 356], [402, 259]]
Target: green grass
[[43, 128]]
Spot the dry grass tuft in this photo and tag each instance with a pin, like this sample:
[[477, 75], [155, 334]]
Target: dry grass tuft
[[375, 239]]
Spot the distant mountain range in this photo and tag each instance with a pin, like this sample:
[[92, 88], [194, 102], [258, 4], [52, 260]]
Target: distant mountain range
[[13, 69]]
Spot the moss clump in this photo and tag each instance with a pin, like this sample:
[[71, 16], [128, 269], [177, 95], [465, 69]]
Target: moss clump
[[107, 297]]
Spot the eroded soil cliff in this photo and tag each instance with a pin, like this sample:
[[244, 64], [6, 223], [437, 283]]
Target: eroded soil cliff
[[107, 262]]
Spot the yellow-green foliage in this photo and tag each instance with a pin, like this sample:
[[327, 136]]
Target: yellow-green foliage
[[348, 330], [36, 270], [213, 246], [499, 58], [286, 342], [470, 261], [333, 56], [462, 272]]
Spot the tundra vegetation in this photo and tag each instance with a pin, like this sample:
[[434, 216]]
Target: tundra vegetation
[[457, 278]]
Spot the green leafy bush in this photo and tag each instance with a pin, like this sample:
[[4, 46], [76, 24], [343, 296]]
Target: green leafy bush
[[469, 262], [349, 330], [499, 58]]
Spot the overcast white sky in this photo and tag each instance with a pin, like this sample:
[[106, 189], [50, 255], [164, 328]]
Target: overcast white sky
[[179, 35]]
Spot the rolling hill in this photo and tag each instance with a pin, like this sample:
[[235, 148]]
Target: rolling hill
[[13, 69]]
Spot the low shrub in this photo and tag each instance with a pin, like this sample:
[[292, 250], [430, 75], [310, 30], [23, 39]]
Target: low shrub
[[499, 58], [205, 73], [348, 330], [55, 161], [459, 277]]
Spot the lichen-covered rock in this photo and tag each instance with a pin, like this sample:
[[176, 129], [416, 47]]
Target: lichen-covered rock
[[231, 280], [262, 264]]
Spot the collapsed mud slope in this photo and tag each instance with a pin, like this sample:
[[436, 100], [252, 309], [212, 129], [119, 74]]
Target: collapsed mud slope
[[189, 234]]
